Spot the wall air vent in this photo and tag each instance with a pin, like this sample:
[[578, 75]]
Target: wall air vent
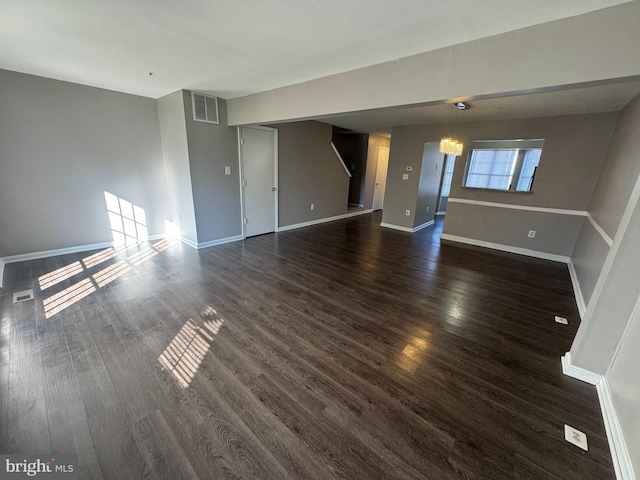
[[205, 108]]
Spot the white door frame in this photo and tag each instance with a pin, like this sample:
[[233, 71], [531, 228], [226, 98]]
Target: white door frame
[[376, 186], [241, 169]]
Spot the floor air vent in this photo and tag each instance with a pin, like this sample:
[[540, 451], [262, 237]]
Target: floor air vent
[[23, 296]]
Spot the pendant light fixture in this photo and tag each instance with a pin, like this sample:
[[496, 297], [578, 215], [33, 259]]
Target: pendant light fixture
[[450, 145]]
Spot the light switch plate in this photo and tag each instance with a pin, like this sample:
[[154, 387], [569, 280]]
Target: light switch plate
[[227, 170]]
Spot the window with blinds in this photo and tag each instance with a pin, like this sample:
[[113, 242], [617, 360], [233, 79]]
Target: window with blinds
[[506, 165]]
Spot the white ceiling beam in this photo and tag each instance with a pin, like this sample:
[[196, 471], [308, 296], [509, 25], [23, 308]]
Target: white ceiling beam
[[593, 47]]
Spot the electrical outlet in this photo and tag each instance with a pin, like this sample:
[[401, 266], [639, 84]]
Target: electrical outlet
[[532, 234], [407, 212], [562, 320], [182, 218], [227, 170], [576, 437], [405, 176], [312, 206]]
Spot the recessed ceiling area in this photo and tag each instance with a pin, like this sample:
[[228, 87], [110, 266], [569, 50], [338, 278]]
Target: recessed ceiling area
[[606, 97], [232, 48]]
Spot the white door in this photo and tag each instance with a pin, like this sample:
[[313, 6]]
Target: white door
[[381, 177], [259, 179]]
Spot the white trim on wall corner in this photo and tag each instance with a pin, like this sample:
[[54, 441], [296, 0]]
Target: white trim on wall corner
[[323, 220], [1, 271], [619, 451], [424, 225], [397, 227], [506, 248], [407, 229], [579, 373], [188, 242], [577, 291], [600, 230], [220, 241], [558, 211]]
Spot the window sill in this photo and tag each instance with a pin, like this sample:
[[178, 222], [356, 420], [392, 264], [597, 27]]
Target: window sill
[[474, 189]]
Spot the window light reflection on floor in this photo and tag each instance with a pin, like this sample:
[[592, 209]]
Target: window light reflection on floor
[[187, 349], [81, 289], [67, 297], [59, 275]]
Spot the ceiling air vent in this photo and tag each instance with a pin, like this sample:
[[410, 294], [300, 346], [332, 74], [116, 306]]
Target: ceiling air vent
[[205, 108]]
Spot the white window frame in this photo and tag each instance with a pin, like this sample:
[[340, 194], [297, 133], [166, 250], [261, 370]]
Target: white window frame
[[520, 147]]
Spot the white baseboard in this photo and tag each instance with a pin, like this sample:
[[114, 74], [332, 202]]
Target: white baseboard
[[189, 243], [219, 241], [424, 225], [506, 248], [407, 229], [53, 253], [61, 251], [323, 220], [396, 227], [619, 451], [577, 291], [579, 373]]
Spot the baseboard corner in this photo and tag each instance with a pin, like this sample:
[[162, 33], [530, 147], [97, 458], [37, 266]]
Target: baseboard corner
[[577, 291], [579, 373]]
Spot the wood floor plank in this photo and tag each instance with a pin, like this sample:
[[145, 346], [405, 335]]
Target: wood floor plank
[[70, 434], [341, 350], [160, 449]]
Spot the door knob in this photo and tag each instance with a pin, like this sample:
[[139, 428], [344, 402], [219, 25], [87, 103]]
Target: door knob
[[273, 189]]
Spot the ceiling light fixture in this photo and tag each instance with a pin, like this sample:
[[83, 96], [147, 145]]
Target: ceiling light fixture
[[450, 145]]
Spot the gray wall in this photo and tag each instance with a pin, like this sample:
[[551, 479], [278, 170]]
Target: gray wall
[[176, 164], [216, 196], [309, 172], [505, 226], [588, 257], [375, 142], [62, 145], [625, 389], [616, 181], [400, 195], [608, 337], [430, 176], [574, 150]]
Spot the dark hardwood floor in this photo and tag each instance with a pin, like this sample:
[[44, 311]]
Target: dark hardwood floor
[[336, 351]]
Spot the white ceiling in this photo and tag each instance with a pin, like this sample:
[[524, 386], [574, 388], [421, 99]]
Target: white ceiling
[[605, 97], [235, 47]]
